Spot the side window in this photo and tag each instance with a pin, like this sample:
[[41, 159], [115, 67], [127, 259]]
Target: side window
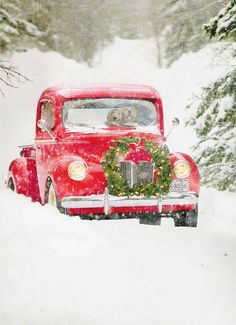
[[47, 113]]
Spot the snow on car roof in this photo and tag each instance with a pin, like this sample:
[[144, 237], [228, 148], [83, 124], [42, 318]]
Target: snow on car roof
[[101, 90]]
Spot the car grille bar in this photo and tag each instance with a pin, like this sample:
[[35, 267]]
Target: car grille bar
[[140, 173]]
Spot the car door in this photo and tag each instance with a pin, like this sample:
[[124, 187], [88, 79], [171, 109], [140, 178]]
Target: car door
[[45, 143]]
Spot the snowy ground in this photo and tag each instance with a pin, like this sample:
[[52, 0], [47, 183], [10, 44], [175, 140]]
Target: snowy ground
[[57, 270], [61, 270]]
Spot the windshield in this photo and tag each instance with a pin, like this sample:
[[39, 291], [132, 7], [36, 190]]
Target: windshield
[[104, 113]]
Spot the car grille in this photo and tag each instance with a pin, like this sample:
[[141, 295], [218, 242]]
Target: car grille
[[140, 173]]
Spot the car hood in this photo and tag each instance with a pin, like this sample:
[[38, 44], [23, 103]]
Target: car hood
[[95, 145]]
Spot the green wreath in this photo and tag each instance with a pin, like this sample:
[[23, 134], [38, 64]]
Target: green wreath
[[116, 181]]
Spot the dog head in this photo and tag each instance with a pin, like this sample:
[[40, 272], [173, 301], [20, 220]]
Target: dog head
[[129, 115], [114, 117]]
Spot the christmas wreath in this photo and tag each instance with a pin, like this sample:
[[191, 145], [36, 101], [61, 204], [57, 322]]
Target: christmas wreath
[[123, 147]]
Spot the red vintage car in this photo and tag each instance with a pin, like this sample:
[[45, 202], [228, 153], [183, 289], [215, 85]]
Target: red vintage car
[[100, 153]]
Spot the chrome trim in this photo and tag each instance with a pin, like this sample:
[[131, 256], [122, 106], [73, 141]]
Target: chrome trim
[[132, 174], [45, 141], [27, 146], [107, 201]]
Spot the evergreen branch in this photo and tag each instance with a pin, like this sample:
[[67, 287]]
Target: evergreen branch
[[230, 163]]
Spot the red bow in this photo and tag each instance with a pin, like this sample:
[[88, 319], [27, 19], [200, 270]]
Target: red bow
[[137, 153]]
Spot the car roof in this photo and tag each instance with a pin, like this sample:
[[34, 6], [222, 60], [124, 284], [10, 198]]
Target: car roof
[[103, 90]]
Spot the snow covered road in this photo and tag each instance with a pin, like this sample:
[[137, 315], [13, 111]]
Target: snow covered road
[[57, 270], [62, 270]]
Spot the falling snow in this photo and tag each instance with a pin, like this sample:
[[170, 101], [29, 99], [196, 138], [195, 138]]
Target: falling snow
[[61, 270]]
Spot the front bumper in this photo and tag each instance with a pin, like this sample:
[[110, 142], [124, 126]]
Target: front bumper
[[107, 201]]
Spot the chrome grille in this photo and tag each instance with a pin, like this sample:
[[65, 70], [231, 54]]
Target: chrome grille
[[140, 173]]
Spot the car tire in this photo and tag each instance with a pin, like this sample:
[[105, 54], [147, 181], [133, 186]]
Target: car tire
[[186, 218], [192, 217], [150, 219], [51, 197]]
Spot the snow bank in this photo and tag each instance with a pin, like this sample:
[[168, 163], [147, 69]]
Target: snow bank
[[129, 61], [61, 270]]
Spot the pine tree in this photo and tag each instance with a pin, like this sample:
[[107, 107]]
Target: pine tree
[[214, 117], [15, 31], [16, 34], [224, 24], [214, 121], [178, 26]]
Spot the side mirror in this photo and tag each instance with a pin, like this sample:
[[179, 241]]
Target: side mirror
[[42, 124], [175, 122]]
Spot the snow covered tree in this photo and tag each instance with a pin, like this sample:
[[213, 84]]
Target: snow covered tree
[[14, 29], [214, 116], [16, 34], [178, 26], [224, 24], [214, 121]]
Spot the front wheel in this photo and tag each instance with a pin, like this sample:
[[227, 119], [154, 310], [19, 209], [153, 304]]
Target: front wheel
[[52, 199], [186, 218]]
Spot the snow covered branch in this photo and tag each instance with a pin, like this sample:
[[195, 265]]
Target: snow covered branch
[[214, 121], [224, 24]]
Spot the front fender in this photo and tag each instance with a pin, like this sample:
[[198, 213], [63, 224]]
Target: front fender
[[94, 182], [24, 175], [193, 178]]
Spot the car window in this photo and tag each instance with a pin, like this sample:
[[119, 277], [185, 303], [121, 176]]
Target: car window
[[47, 113], [108, 112]]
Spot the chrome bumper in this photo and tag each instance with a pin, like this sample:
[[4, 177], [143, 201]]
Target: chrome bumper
[[107, 201]]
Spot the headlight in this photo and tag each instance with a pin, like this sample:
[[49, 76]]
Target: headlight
[[182, 169], [77, 170]]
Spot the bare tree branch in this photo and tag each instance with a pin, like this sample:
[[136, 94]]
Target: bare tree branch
[[10, 76]]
